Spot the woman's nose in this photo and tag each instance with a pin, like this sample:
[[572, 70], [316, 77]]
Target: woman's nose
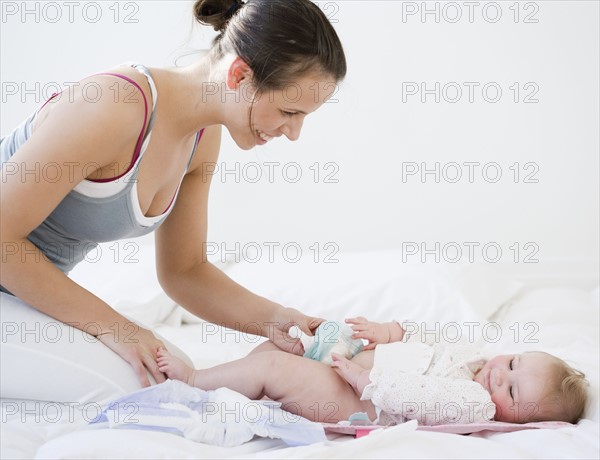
[[292, 129]]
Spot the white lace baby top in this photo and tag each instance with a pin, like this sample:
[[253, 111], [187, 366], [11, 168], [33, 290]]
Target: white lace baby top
[[429, 382]]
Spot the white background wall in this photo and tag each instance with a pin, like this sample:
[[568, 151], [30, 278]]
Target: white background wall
[[377, 129]]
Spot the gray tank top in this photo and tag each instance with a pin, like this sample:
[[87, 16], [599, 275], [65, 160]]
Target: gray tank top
[[94, 211]]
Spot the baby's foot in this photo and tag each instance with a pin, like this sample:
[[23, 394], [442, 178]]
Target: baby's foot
[[174, 367]]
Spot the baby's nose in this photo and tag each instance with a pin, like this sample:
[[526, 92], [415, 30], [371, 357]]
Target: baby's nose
[[499, 377]]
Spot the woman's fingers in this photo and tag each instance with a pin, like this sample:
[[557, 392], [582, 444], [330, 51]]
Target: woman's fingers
[[150, 364], [296, 346], [308, 324], [289, 317], [311, 325], [285, 341], [140, 371], [141, 351]]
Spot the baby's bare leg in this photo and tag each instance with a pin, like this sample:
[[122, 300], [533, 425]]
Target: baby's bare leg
[[174, 367], [303, 386], [265, 346], [311, 389]]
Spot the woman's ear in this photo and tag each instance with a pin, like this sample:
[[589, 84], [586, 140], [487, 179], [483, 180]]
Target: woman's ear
[[238, 72]]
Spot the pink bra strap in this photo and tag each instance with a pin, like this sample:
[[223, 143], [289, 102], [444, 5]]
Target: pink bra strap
[[138, 146]]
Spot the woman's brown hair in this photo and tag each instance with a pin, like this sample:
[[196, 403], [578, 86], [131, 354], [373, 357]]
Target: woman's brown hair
[[280, 40]]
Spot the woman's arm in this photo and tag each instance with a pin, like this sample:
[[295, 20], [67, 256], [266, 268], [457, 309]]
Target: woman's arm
[[76, 136], [188, 278]]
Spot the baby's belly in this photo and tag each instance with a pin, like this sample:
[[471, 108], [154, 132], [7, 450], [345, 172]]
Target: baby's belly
[[364, 359]]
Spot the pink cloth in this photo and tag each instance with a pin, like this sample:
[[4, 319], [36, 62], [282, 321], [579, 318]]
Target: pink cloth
[[455, 428]]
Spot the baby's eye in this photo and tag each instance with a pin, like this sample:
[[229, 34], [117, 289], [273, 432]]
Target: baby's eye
[[511, 365], [511, 393]]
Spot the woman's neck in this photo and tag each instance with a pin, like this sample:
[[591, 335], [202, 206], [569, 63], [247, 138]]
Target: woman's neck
[[189, 95]]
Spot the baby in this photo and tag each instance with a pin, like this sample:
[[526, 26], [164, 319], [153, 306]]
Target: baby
[[398, 377]]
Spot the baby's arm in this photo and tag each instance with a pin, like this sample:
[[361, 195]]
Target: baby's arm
[[356, 375], [375, 333], [430, 400]]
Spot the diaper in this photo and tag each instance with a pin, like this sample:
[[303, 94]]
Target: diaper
[[209, 417], [331, 337]]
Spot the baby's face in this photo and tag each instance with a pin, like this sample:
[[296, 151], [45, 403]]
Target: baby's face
[[516, 384]]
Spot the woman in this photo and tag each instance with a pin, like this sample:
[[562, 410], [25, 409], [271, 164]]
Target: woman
[[121, 178]]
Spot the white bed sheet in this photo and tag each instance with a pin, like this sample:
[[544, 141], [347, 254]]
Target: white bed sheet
[[567, 325]]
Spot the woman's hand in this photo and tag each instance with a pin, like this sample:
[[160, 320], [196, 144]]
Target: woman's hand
[[285, 318], [375, 333], [137, 346]]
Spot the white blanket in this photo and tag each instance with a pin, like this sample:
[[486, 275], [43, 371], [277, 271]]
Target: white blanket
[[563, 321]]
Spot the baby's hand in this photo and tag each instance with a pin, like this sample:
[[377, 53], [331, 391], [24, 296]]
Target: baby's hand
[[351, 372], [175, 368], [374, 333]]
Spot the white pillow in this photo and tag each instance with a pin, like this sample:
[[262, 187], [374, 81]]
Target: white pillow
[[376, 284], [486, 288], [555, 309], [562, 321], [123, 274]]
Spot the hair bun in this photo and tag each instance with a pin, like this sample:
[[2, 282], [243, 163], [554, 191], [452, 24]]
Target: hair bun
[[280, 40], [216, 13]]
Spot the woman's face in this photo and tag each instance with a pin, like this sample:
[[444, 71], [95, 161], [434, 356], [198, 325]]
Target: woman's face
[[274, 113]]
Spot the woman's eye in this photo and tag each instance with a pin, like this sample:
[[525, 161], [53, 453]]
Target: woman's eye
[[288, 114]]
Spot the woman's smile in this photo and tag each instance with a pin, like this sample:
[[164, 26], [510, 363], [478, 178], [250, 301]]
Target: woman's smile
[[262, 137]]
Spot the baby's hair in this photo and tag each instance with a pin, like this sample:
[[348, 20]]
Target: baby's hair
[[565, 394]]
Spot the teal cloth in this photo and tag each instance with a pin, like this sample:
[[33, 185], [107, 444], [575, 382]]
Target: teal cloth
[[333, 336]]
